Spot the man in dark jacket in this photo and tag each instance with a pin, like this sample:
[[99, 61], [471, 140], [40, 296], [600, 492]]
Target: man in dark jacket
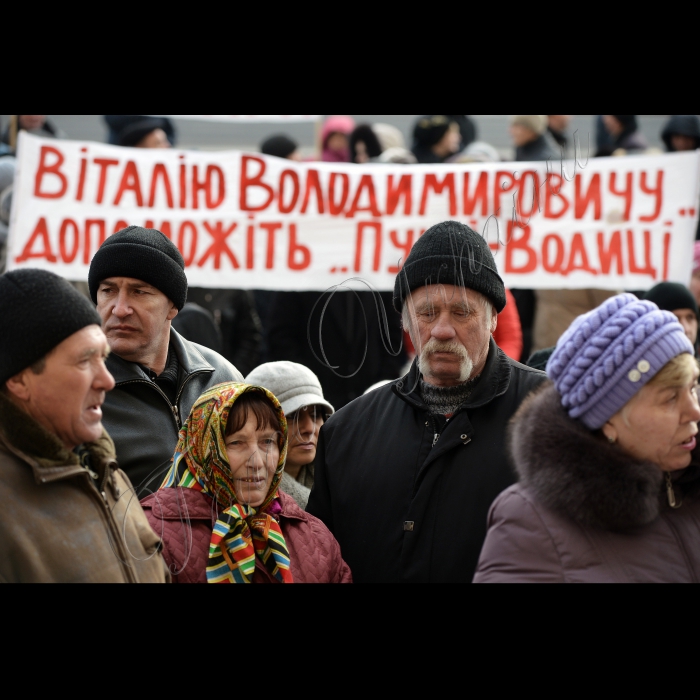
[[528, 134], [138, 282], [405, 474]]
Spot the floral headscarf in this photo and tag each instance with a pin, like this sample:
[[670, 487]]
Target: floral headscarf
[[200, 462]]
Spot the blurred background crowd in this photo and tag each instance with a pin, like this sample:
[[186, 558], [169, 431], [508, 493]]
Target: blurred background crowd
[[253, 327]]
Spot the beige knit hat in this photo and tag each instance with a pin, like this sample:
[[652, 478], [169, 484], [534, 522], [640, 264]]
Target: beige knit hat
[[534, 122]]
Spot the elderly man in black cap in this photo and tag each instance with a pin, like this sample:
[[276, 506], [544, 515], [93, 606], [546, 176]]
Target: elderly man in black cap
[[137, 279], [676, 298], [405, 474], [68, 514]]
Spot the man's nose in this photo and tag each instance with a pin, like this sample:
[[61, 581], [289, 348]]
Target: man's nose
[[121, 305], [104, 381], [443, 328]]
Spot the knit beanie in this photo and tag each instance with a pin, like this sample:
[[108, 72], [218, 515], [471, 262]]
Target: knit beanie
[[133, 133], [279, 145], [607, 355], [293, 384], [38, 310], [669, 296], [450, 253], [430, 129], [144, 254], [534, 122]]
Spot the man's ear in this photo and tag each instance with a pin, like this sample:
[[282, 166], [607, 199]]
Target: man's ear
[[494, 320], [172, 313], [18, 386]]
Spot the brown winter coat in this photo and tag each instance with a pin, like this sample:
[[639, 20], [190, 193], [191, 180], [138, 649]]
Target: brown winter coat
[[557, 308], [314, 554], [55, 524], [584, 511]]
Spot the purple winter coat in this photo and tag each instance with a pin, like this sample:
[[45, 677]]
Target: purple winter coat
[[585, 511]]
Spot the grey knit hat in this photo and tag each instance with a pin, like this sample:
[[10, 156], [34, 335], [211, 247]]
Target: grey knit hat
[[293, 384], [450, 253]]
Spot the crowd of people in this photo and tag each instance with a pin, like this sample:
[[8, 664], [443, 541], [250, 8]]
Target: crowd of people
[[153, 432]]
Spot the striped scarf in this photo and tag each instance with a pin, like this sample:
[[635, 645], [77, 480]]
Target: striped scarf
[[241, 532]]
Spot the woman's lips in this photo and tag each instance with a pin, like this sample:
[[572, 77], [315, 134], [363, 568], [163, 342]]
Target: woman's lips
[[689, 444]]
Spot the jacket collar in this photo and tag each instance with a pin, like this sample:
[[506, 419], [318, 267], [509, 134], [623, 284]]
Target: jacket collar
[[189, 359], [494, 382], [576, 473], [49, 459]]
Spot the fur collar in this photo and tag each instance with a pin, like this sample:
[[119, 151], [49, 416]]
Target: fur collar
[[577, 473]]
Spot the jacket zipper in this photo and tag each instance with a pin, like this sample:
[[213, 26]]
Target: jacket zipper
[[173, 408]]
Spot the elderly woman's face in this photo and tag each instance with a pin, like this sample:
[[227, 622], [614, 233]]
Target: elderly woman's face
[[253, 454], [659, 425]]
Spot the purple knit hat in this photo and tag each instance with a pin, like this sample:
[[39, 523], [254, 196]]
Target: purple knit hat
[[607, 355]]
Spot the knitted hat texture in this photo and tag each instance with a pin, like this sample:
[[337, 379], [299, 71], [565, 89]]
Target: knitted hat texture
[[534, 122], [607, 355], [293, 384], [450, 253], [38, 310], [144, 254], [669, 296]]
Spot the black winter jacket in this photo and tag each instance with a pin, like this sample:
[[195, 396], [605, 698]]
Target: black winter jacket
[[141, 420], [401, 509]]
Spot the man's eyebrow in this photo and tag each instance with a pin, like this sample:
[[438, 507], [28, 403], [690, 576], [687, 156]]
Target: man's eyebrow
[[87, 353]]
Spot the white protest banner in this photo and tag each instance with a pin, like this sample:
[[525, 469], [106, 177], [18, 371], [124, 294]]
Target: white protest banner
[[250, 221], [245, 117]]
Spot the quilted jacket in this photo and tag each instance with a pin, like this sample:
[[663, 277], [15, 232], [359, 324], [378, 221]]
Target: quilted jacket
[[184, 519]]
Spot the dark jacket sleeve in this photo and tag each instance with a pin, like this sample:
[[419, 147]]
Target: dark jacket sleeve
[[320, 499], [518, 546], [245, 334]]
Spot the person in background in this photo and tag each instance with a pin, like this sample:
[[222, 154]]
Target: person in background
[[467, 129], [197, 324], [281, 146], [364, 144], [557, 124], [508, 334], [36, 124], [695, 279], [609, 476], [220, 512], [67, 515], [147, 133], [677, 298], [237, 321], [335, 139], [625, 136], [477, 152], [118, 122], [8, 165], [681, 133], [435, 138], [360, 349], [555, 310], [393, 145], [527, 131], [299, 392]]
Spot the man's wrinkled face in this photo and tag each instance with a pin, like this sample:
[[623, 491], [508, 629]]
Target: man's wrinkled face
[[450, 329], [66, 397], [135, 317]]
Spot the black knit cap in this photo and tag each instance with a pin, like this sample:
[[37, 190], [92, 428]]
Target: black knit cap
[[144, 254], [38, 310], [279, 145], [450, 253], [429, 129], [669, 296]]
